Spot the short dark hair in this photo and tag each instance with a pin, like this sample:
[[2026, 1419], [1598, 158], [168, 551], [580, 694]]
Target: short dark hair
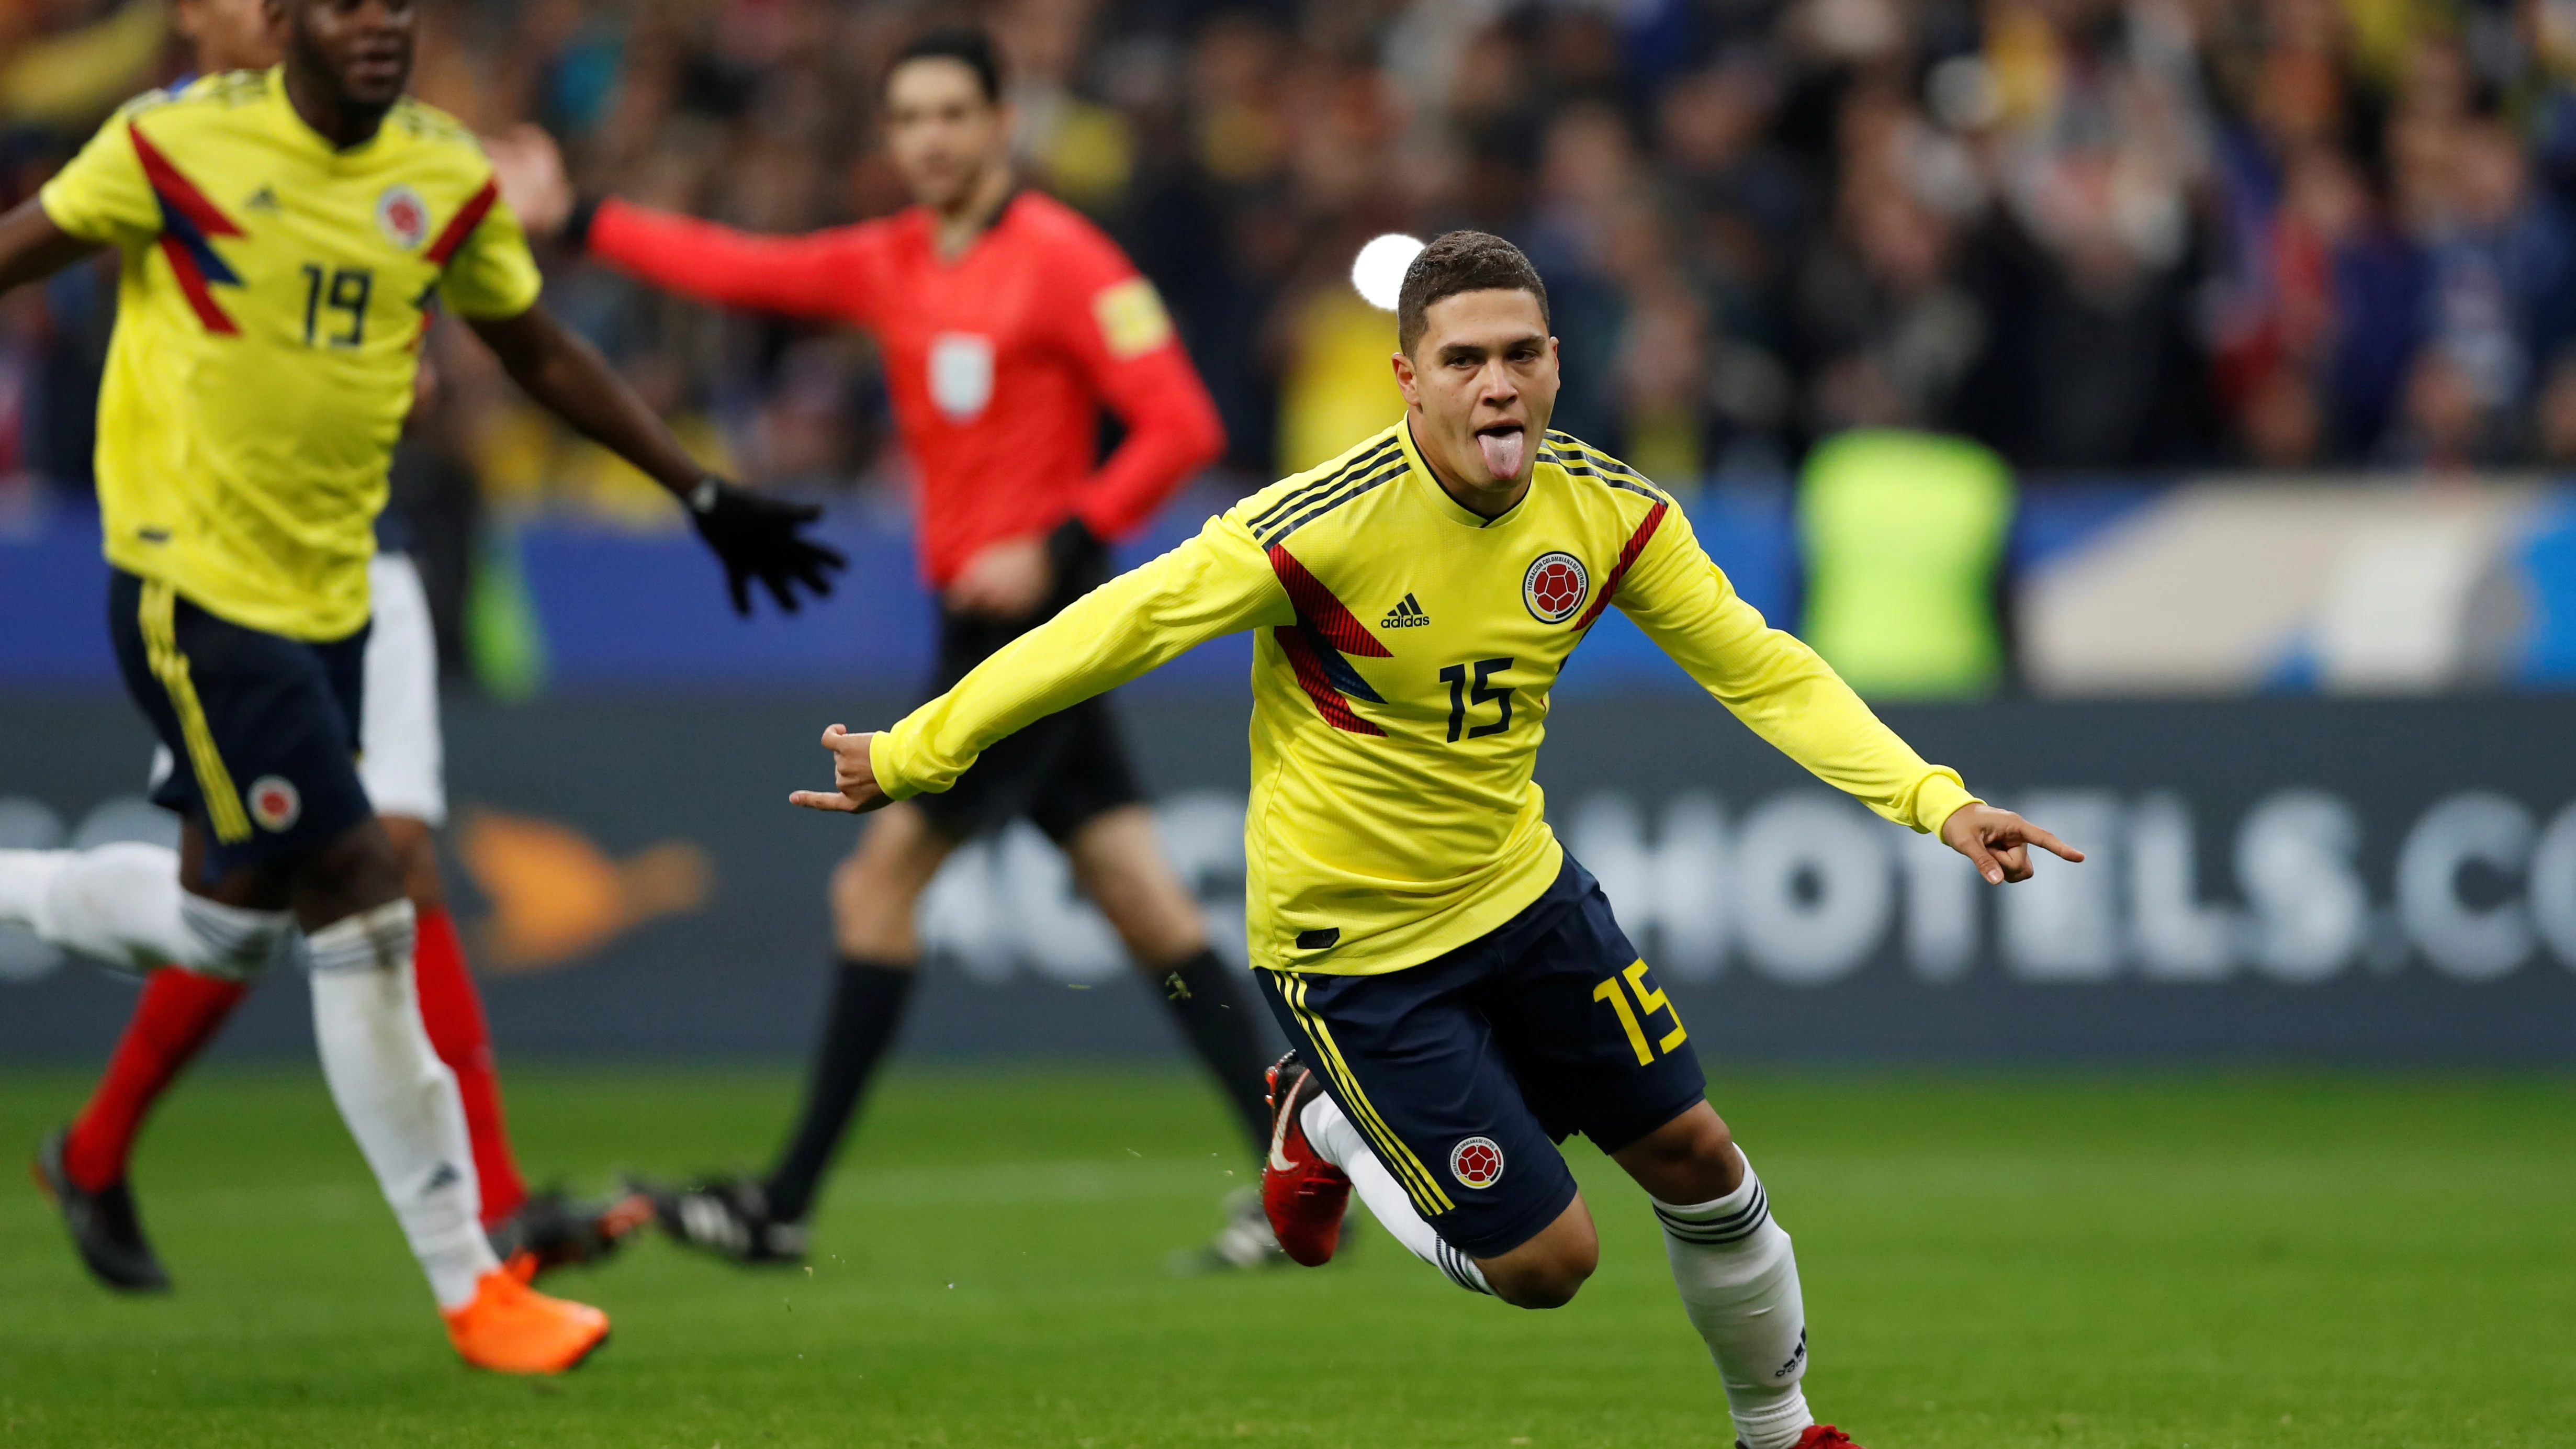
[[1461, 261], [964, 44]]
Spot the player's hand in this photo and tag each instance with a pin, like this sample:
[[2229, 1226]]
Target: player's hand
[[854, 778], [530, 170], [1005, 580], [1998, 842], [762, 538]]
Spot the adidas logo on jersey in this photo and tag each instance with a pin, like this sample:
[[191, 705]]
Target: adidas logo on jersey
[[264, 199], [1406, 615]]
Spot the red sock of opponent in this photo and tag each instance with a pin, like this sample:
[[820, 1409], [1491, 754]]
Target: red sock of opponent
[[453, 1012], [179, 1012]]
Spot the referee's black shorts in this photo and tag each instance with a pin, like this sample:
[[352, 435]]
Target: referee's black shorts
[[1061, 771]]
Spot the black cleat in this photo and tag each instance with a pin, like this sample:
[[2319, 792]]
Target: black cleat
[[727, 1216], [551, 1230], [104, 1226]]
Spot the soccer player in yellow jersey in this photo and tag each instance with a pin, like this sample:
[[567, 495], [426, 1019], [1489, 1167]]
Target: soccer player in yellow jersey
[[1460, 995], [284, 235]]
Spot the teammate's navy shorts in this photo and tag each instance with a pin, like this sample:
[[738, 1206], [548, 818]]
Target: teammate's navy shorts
[[263, 729], [1060, 771], [1465, 1071]]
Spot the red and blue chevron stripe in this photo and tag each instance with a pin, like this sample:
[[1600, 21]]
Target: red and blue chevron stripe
[[189, 223], [1325, 631]]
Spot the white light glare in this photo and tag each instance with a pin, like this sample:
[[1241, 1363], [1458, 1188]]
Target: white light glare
[[1378, 271]]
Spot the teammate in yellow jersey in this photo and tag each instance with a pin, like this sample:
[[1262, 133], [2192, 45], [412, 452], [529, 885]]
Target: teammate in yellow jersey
[[284, 235], [1461, 996]]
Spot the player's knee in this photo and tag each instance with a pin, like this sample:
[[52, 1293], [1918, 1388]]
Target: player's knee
[[1548, 1280], [1689, 1159], [357, 871], [416, 856]]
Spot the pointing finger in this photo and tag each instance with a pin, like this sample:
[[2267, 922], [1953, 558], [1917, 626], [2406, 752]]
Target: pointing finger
[[2050, 843], [823, 800], [833, 734]]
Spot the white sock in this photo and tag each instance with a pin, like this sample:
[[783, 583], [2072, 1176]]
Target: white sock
[[398, 1098], [121, 903], [1738, 1277], [1341, 1144]]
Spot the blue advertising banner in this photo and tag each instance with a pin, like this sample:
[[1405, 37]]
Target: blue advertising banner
[[2275, 879]]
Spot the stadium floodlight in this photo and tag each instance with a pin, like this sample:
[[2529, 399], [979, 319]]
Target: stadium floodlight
[[1378, 271]]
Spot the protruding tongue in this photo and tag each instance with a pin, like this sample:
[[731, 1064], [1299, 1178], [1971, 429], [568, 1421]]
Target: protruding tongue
[[1503, 452]]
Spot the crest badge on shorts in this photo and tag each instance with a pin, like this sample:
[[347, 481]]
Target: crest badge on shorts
[[274, 803], [1477, 1162], [1555, 586], [403, 216]]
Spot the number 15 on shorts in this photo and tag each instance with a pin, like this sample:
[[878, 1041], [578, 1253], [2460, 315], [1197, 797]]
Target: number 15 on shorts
[[1634, 1019]]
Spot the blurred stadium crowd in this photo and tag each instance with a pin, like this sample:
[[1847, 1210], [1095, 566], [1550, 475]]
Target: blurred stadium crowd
[[2097, 235]]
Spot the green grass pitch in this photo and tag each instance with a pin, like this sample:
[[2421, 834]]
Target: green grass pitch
[[2155, 1260]]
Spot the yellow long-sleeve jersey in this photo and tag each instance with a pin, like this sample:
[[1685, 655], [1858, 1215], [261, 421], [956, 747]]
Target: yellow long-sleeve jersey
[[269, 315], [1400, 686]]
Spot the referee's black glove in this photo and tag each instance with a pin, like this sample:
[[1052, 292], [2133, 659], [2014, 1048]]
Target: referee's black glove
[[761, 538]]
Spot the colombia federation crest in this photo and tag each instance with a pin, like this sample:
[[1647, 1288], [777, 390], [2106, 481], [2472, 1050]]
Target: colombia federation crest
[[1555, 586]]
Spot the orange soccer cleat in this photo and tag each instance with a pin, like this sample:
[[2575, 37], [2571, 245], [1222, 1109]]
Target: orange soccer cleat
[[511, 1328]]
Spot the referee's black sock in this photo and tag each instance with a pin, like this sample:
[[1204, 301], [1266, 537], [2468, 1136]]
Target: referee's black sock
[[868, 999], [1218, 1015]]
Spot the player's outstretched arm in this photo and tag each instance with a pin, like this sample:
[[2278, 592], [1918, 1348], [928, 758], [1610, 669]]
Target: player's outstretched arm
[[1219, 582], [1998, 842], [33, 248], [756, 537], [1792, 698]]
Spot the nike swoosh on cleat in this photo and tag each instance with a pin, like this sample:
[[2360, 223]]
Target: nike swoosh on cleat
[[1279, 1138]]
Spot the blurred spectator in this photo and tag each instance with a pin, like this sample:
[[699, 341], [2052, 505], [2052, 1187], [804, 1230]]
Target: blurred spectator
[[2092, 234]]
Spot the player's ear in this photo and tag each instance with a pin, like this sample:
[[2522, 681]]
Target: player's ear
[[1404, 382]]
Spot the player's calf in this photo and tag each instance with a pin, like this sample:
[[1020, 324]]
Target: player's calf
[[1737, 1273]]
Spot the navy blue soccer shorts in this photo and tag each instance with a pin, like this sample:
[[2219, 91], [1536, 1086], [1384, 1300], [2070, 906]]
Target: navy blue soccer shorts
[[1465, 1071], [263, 729]]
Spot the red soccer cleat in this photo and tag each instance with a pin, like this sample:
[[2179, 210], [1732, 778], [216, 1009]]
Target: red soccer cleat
[[1303, 1195], [1819, 1436]]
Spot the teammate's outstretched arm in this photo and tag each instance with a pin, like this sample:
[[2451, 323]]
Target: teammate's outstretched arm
[[756, 537], [32, 248]]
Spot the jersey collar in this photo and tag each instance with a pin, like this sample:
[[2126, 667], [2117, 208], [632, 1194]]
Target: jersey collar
[[926, 227], [1421, 477]]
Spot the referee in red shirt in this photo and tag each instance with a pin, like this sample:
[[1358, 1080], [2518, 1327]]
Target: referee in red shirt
[[1006, 321]]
